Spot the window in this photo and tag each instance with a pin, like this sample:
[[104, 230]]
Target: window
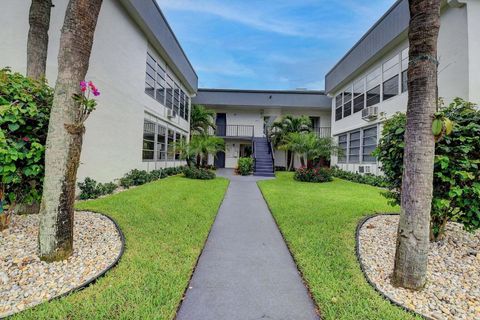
[[373, 96], [177, 139], [338, 107], [169, 93], [390, 88], [391, 69], [404, 70], [404, 81], [162, 143], [170, 149], [354, 147], [359, 95], [155, 79], [148, 151], [182, 104], [176, 99], [347, 102], [342, 144], [187, 106], [369, 144]]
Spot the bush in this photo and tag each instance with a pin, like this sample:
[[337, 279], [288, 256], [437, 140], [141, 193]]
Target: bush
[[245, 166], [198, 173], [138, 177], [313, 175], [367, 178], [456, 185], [25, 106], [90, 189]]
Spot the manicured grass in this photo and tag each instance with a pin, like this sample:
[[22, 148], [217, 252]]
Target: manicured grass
[[318, 221], [165, 224]]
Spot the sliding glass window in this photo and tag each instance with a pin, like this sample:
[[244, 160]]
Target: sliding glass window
[[148, 149], [354, 147], [338, 107], [369, 144], [359, 95]]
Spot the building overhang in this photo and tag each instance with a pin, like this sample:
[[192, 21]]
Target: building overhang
[[149, 17], [263, 98]]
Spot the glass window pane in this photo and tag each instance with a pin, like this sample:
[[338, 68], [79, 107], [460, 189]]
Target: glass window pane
[[359, 103], [373, 96], [342, 144], [369, 144], [338, 114], [390, 88], [338, 100], [373, 79], [404, 81]]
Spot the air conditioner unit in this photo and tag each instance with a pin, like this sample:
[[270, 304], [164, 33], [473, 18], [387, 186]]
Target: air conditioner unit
[[370, 113], [170, 113], [364, 169]]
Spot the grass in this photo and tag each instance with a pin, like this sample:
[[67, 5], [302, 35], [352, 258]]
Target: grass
[[165, 224], [318, 222]]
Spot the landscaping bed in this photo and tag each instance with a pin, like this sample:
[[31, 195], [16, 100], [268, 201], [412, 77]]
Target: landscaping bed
[[26, 281], [453, 286]]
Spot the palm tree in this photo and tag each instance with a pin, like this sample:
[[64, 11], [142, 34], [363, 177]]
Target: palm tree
[[37, 44], [279, 131], [200, 147], [309, 146], [410, 268], [201, 120]]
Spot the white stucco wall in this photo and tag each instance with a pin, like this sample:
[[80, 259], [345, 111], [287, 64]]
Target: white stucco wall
[[454, 76], [113, 140]]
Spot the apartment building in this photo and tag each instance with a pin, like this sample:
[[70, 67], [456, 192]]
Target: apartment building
[[143, 74], [369, 83], [243, 115]]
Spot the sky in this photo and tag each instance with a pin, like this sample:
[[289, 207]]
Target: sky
[[268, 44]]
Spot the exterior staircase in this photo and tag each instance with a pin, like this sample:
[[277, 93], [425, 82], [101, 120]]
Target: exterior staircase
[[264, 165]]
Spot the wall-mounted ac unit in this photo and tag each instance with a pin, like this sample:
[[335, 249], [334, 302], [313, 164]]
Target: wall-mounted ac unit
[[364, 169], [170, 113], [370, 113]]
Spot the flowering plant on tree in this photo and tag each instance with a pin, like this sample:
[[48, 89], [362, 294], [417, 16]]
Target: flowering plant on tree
[[85, 100]]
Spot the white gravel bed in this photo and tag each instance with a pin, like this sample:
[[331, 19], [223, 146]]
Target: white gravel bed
[[26, 281], [453, 287]]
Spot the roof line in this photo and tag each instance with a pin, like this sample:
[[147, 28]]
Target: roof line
[[321, 92], [174, 36], [365, 35]]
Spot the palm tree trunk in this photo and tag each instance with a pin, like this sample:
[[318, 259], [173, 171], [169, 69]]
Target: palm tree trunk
[[37, 43], [413, 229], [199, 160], [302, 161], [64, 140]]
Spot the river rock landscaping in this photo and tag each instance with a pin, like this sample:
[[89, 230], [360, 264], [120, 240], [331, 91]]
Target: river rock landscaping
[[26, 281], [453, 286]]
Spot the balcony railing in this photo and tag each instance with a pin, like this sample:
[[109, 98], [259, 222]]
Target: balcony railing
[[233, 130], [323, 132]]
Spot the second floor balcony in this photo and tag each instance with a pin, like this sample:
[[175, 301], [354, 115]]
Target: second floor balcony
[[234, 131]]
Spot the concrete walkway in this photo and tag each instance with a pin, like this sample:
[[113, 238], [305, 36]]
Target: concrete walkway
[[246, 271]]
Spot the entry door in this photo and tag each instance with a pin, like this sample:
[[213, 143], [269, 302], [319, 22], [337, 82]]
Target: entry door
[[221, 123], [220, 160]]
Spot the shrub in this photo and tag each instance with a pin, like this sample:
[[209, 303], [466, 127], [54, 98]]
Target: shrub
[[173, 170], [198, 173], [24, 114], [90, 189], [456, 185], [135, 178], [157, 174], [367, 178], [245, 166], [313, 174]]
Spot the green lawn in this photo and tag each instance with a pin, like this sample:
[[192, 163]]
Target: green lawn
[[165, 224], [318, 222]]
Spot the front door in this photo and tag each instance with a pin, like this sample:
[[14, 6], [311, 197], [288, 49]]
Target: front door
[[220, 160], [221, 123]]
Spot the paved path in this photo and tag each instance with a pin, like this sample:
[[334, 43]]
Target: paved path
[[246, 271]]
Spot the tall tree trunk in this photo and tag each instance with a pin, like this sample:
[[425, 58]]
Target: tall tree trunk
[[37, 44], [64, 140], [413, 229]]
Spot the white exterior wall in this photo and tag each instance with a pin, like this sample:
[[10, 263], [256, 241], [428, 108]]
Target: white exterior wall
[[114, 132], [473, 21], [453, 77]]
